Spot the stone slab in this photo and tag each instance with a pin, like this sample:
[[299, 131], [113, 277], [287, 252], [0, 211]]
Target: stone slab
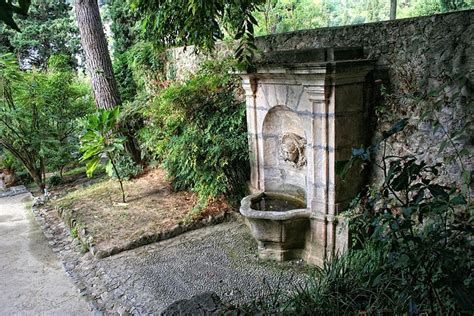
[[12, 191]]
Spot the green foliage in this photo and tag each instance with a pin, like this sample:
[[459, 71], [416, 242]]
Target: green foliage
[[124, 77], [422, 226], [290, 15], [200, 23], [54, 181], [74, 232], [124, 25], [102, 140], [197, 128], [38, 112], [125, 34], [354, 282], [126, 167], [278, 16], [147, 63], [7, 161], [449, 5], [100, 137], [47, 30], [8, 8]]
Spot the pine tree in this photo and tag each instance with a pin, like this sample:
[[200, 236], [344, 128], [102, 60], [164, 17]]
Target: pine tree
[[47, 30], [99, 64]]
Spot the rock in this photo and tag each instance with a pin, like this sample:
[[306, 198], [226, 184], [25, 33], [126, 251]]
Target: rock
[[208, 303]]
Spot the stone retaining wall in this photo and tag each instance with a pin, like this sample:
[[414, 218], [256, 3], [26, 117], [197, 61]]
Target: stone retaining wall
[[416, 60]]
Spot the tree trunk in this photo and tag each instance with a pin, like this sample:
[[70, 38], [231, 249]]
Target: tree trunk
[[99, 64], [393, 9], [97, 54], [37, 178]]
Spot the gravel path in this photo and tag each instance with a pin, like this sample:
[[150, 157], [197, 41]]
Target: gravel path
[[144, 281], [220, 259], [32, 281]]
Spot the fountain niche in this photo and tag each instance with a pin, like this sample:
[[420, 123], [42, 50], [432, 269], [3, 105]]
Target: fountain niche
[[306, 109]]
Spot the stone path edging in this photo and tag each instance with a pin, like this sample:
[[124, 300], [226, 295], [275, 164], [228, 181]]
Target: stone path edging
[[146, 280], [67, 249], [88, 241], [12, 191]]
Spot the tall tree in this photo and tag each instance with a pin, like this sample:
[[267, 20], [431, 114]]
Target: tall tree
[[99, 64], [47, 30]]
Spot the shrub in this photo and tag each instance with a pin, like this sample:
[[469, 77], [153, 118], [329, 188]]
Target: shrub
[[197, 129], [54, 181], [126, 167], [38, 112], [102, 141]]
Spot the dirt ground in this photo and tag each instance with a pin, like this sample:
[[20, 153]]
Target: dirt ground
[[152, 207]]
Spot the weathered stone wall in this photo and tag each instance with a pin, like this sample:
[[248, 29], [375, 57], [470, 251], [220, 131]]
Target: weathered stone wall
[[182, 61], [418, 60], [415, 58]]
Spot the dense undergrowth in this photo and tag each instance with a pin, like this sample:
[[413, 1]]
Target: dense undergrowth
[[197, 130]]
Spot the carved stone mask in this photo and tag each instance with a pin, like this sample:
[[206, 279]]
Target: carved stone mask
[[292, 149]]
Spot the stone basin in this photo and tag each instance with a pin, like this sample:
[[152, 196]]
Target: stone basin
[[279, 222]]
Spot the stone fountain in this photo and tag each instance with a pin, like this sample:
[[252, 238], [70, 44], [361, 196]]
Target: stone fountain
[[306, 110]]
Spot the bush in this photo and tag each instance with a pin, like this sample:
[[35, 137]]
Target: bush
[[126, 167], [39, 111], [7, 161], [54, 181], [197, 129]]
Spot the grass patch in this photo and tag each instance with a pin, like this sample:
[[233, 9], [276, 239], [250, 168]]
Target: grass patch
[[153, 207]]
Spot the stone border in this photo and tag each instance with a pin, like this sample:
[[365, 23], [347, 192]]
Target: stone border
[[12, 191], [85, 270], [87, 240], [67, 249]]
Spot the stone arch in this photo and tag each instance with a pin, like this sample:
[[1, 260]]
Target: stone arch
[[284, 140]]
